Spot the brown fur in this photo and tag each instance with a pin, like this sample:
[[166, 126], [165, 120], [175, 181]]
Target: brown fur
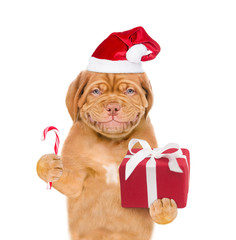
[[94, 205]]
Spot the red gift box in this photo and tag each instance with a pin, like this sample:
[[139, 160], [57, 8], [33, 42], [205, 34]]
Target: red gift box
[[168, 177]]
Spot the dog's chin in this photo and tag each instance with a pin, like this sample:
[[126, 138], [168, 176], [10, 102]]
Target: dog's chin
[[113, 128]]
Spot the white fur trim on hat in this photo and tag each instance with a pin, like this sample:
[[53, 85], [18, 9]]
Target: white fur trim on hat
[[135, 53], [108, 66]]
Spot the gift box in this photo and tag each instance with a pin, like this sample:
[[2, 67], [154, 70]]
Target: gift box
[[148, 174]]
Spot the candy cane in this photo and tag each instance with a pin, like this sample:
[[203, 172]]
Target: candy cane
[[56, 146]]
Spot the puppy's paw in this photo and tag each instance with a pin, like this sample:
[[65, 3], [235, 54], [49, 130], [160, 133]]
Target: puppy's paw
[[163, 210], [50, 167]]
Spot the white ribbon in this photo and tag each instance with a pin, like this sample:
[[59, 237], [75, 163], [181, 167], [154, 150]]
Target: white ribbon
[[156, 153]]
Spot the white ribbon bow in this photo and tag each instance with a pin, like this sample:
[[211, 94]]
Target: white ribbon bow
[[156, 153]]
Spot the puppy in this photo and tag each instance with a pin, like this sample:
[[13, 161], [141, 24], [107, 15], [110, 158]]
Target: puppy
[[107, 111]]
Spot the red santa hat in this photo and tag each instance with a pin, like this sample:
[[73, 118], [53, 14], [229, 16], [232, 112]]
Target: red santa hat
[[123, 52]]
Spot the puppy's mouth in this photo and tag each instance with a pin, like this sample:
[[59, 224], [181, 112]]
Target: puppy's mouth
[[113, 125]]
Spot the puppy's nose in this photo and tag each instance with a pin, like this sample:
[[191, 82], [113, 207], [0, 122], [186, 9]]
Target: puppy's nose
[[113, 108]]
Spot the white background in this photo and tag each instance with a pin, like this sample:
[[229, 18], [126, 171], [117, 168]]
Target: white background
[[45, 44]]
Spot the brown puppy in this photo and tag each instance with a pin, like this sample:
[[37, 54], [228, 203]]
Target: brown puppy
[[107, 110]]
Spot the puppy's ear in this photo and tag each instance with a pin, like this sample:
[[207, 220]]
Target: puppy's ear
[[146, 85], [74, 94]]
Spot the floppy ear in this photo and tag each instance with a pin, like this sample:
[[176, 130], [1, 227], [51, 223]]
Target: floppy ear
[[74, 94], [146, 85]]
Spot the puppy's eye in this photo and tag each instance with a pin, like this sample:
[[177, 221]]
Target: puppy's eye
[[130, 91], [96, 92]]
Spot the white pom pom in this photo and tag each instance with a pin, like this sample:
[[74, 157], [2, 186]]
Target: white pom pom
[[135, 53]]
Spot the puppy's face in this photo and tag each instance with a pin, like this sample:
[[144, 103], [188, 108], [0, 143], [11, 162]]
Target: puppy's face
[[112, 104]]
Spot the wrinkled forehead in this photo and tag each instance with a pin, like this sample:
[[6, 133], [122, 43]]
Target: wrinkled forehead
[[114, 80]]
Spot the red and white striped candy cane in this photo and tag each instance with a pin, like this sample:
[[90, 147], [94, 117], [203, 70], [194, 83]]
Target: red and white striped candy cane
[[56, 146]]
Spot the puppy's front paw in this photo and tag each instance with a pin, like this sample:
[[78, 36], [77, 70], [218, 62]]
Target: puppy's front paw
[[49, 167], [163, 210]]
